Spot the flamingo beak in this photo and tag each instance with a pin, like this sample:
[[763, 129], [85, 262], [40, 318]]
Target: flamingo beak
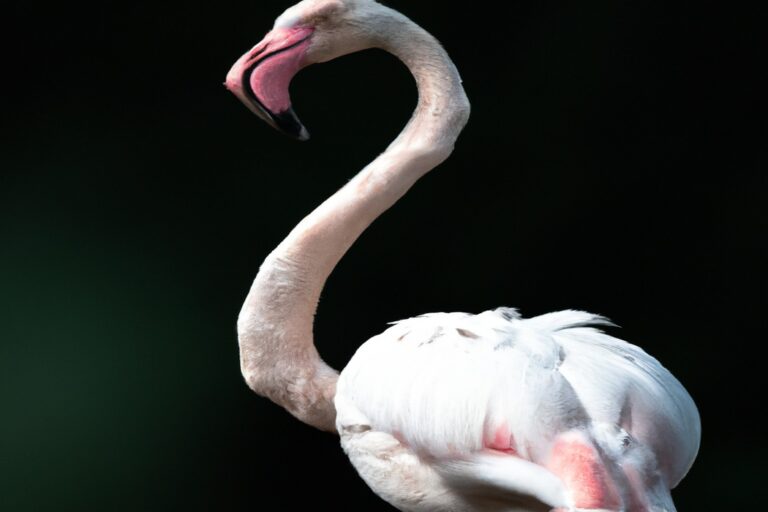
[[261, 77]]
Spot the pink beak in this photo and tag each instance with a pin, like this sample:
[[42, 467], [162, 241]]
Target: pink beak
[[261, 77]]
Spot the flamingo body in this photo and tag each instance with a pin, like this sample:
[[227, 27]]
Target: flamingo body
[[493, 404]]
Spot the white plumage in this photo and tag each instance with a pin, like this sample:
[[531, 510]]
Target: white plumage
[[444, 385]]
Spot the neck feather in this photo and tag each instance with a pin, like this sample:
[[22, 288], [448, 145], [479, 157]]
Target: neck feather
[[275, 324]]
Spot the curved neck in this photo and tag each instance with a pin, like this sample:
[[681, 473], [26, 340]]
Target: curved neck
[[322, 238], [275, 324]]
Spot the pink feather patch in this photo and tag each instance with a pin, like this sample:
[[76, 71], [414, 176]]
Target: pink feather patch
[[576, 461]]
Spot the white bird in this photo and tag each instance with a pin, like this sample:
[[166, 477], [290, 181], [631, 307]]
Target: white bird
[[446, 411]]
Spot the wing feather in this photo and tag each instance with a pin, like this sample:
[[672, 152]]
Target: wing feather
[[506, 479]]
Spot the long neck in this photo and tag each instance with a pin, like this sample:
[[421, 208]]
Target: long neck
[[278, 356]]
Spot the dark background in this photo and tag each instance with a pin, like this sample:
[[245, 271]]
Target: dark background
[[614, 162]]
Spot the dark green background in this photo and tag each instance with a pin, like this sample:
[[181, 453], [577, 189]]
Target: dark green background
[[614, 162]]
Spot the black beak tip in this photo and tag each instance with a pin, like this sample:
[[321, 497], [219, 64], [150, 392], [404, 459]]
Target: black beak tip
[[288, 122]]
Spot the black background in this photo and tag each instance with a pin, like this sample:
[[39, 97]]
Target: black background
[[614, 162]]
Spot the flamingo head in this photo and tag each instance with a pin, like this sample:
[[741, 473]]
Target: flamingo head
[[309, 32]]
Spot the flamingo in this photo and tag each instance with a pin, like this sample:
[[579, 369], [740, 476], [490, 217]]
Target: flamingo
[[446, 411]]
